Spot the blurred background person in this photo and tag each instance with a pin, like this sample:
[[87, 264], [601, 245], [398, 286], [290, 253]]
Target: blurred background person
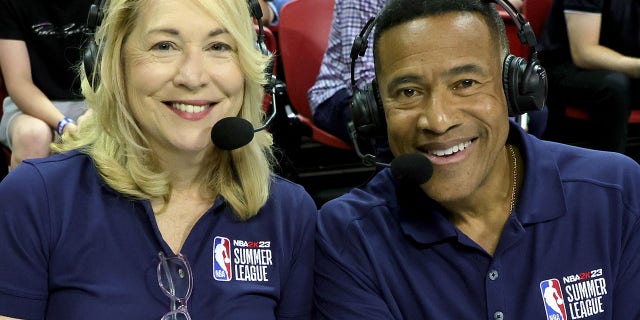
[[40, 43], [591, 51], [271, 10], [330, 96]]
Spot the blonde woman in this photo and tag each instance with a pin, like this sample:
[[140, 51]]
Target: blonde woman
[[140, 216]]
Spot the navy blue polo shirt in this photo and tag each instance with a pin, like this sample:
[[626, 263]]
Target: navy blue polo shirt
[[73, 248], [570, 250]]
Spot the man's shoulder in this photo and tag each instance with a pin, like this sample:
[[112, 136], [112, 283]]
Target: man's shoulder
[[586, 171], [582, 163]]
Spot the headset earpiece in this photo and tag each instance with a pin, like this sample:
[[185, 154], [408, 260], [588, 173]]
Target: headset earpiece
[[524, 82], [91, 54], [525, 85], [89, 61], [367, 113], [511, 74]]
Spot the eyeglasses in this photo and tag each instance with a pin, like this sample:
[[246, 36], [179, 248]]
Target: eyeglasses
[[176, 281]]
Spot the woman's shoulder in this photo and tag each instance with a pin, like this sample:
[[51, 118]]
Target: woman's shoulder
[[281, 186], [289, 197], [58, 171], [72, 163]]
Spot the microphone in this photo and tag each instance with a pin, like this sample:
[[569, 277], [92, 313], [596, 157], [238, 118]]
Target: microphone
[[231, 133], [411, 168]]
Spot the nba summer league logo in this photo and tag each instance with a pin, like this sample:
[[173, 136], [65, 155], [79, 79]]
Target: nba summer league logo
[[579, 296], [241, 260]]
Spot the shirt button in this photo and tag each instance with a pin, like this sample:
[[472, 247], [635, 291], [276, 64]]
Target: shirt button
[[493, 274], [498, 315]]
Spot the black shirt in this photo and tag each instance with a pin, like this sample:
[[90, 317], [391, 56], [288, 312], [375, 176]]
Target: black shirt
[[620, 28], [54, 32]]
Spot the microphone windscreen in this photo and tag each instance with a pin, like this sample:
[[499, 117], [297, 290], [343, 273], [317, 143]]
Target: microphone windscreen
[[412, 168], [231, 133]]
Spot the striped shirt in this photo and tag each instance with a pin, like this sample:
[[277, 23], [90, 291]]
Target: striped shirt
[[349, 18]]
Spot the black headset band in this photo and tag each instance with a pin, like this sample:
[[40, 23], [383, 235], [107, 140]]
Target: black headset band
[[359, 48], [524, 30]]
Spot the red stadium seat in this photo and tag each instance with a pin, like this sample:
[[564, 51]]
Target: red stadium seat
[[303, 33]]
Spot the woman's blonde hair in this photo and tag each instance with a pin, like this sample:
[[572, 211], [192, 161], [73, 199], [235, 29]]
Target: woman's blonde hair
[[112, 137]]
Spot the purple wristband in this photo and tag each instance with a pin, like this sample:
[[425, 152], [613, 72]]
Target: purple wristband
[[63, 123]]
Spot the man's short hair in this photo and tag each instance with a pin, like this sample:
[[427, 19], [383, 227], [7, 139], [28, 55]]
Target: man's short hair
[[397, 12]]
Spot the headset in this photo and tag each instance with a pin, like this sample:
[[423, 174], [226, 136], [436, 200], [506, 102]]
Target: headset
[[524, 82], [91, 55]]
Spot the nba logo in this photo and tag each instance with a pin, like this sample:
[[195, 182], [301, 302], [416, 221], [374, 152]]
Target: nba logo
[[553, 300], [221, 259]]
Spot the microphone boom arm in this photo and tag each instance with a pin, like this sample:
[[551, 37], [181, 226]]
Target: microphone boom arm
[[368, 159], [273, 112]]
